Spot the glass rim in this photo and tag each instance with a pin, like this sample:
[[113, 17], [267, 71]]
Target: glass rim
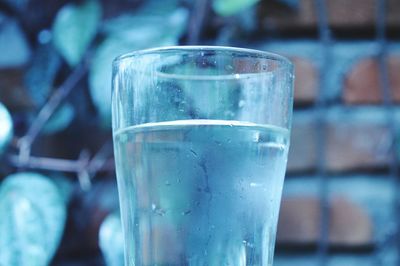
[[285, 63]]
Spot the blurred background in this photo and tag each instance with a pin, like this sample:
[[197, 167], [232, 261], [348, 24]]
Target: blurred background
[[58, 196]]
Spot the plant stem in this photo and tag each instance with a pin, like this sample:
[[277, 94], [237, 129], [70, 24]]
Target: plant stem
[[49, 108]]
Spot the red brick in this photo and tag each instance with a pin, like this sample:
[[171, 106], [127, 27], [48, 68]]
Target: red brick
[[350, 225], [300, 224], [356, 146], [299, 221], [354, 140], [342, 14], [306, 82], [360, 13], [362, 84], [302, 152], [275, 17]]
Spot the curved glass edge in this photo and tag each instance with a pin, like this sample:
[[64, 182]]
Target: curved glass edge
[[182, 48], [286, 65]]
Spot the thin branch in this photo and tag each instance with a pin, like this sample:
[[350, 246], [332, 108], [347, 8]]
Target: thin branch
[[82, 173], [100, 158], [108, 165], [56, 164], [45, 163], [49, 108], [196, 21]]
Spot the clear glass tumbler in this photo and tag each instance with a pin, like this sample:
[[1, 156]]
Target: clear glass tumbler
[[201, 137]]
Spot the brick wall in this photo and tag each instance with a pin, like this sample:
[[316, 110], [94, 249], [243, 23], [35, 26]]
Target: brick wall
[[343, 15], [358, 143], [357, 155]]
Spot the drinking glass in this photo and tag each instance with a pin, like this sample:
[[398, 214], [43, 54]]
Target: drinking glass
[[201, 137]]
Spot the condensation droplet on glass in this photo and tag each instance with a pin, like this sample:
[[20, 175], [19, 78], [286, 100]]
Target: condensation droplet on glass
[[193, 152], [157, 210], [167, 183], [253, 184], [186, 212], [256, 137], [241, 103], [229, 113], [248, 244], [229, 67]]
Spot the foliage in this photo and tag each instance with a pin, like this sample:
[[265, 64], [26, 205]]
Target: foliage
[[74, 29], [60, 120], [111, 240], [138, 30], [13, 46], [67, 55], [231, 7], [33, 214], [6, 129], [42, 72]]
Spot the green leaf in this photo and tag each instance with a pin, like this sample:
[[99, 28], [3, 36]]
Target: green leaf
[[33, 215], [15, 50], [64, 184], [74, 28], [111, 240], [60, 120], [231, 7], [157, 7], [125, 34], [6, 128], [42, 72]]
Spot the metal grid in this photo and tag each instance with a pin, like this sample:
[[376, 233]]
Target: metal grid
[[326, 40], [320, 105], [387, 96]]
